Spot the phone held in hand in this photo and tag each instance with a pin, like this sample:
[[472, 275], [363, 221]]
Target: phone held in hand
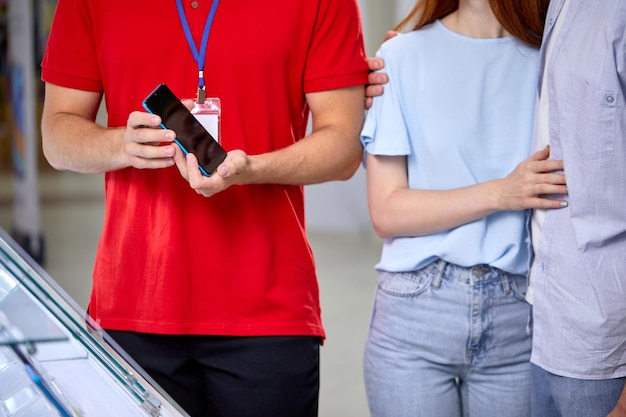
[[191, 136]]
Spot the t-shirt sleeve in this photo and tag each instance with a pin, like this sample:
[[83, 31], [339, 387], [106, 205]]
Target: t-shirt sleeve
[[385, 130], [70, 59], [337, 54]]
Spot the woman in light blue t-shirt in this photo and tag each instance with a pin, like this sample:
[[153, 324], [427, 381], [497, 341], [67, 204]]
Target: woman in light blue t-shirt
[[450, 181]]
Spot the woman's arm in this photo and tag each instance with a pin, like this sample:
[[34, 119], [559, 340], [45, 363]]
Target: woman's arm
[[397, 210]]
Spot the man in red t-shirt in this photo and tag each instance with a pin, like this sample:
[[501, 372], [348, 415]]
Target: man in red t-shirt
[[209, 282]]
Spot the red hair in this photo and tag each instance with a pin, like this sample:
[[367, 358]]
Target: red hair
[[523, 19]]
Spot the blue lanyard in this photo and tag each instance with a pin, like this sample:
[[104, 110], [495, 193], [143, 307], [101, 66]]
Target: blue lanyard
[[199, 56]]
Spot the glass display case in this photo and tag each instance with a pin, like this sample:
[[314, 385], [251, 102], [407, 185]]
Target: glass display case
[[55, 361]]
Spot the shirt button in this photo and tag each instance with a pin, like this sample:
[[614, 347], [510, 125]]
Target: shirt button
[[610, 98], [194, 4]]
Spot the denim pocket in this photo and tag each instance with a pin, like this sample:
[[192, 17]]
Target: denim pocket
[[519, 286], [406, 284]]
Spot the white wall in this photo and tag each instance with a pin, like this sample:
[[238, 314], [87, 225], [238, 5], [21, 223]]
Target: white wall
[[402, 8]]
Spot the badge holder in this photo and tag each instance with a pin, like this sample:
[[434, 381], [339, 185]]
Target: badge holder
[[208, 114]]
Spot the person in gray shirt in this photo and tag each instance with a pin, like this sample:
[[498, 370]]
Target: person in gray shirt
[[579, 271]]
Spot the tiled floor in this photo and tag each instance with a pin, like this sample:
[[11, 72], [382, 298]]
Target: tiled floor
[[71, 215]]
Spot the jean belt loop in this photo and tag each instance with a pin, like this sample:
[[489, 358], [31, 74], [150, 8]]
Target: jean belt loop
[[506, 281], [441, 266]]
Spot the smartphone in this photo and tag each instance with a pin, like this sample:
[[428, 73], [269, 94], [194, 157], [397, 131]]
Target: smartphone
[[191, 136]]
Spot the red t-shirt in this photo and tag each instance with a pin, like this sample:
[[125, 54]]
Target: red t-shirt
[[170, 261]]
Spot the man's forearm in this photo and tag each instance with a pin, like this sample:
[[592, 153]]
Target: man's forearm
[[73, 143], [331, 152]]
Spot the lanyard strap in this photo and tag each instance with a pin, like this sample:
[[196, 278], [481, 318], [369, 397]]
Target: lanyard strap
[[199, 56]]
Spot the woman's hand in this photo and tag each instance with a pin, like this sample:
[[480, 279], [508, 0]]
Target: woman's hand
[[529, 185]]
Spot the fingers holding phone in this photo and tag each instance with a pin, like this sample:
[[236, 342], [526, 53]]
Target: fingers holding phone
[[191, 136], [146, 144], [230, 172]]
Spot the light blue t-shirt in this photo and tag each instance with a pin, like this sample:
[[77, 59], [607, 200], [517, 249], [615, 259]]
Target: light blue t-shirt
[[461, 110]]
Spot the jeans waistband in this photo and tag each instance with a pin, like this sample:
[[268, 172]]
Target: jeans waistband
[[477, 274]]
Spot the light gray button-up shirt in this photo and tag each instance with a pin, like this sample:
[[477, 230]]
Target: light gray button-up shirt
[[580, 285]]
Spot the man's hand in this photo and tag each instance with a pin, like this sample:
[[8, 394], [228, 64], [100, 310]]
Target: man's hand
[[376, 80], [146, 144], [230, 172]]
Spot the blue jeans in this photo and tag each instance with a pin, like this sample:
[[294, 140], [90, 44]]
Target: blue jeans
[[558, 396], [449, 341]]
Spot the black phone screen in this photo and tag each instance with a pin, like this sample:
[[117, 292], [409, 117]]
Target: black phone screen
[[191, 136]]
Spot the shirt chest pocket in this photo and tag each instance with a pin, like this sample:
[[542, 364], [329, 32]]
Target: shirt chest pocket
[[594, 123]]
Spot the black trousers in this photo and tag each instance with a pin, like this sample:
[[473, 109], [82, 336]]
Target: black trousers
[[216, 376]]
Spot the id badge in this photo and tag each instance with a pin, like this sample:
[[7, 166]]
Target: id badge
[[209, 114]]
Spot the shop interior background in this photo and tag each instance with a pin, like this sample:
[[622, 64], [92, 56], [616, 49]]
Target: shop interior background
[[57, 216]]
